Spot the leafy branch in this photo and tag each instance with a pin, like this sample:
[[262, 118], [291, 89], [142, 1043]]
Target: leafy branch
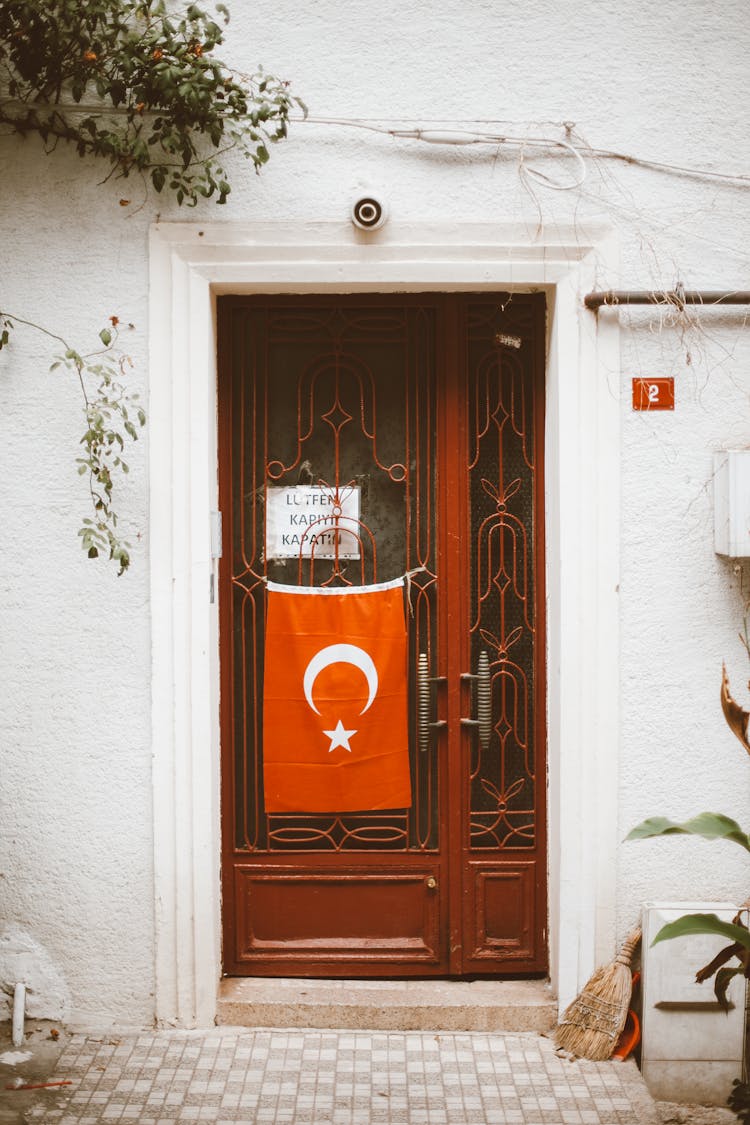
[[166, 106], [113, 417]]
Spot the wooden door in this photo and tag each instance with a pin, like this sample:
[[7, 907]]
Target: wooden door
[[428, 408]]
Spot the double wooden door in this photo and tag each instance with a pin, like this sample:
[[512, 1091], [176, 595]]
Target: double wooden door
[[426, 412]]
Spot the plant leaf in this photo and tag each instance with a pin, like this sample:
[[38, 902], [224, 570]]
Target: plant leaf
[[690, 924], [721, 984], [736, 716], [711, 826]]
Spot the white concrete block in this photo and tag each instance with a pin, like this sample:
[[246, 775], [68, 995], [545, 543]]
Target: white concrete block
[[702, 1083], [691, 1048]]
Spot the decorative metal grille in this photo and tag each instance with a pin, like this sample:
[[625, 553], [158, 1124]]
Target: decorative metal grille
[[501, 488], [341, 396]]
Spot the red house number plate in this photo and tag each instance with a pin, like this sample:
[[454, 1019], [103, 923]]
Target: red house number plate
[[653, 394]]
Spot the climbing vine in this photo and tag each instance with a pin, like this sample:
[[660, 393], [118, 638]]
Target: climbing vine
[[113, 416], [164, 104], [137, 85]]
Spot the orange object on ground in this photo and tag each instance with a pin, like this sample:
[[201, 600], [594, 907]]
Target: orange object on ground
[[630, 1038], [40, 1085], [631, 1033]]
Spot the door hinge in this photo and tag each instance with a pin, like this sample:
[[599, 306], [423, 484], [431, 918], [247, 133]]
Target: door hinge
[[216, 539], [215, 535]]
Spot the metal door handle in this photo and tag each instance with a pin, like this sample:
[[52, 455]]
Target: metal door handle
[[425, 725], [483, 680]]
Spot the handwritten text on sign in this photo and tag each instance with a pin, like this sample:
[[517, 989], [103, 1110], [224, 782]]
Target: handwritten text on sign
[[303, 516]]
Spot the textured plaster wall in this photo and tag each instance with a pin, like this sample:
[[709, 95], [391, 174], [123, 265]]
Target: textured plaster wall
[[75, 804], [75, 755]]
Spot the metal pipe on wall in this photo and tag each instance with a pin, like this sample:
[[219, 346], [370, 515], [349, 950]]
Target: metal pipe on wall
[[676, 297]]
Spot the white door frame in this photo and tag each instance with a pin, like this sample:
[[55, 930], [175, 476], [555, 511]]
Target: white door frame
[[190, 263]]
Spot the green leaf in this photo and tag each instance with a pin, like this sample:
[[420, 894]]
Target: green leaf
[[711, 826], [723, 979], [691, 924], [106, 337]]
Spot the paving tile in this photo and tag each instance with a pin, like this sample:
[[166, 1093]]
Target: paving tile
[[244, 1077]]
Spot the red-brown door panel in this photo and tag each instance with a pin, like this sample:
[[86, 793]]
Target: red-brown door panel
[[501, 916], [343, 915]]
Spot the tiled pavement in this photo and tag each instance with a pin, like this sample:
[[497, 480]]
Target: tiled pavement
[[230, 1075]]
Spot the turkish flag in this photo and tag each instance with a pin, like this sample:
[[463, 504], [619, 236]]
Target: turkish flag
[[335, 736]]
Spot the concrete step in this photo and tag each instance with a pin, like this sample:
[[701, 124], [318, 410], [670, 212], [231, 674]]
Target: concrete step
[[414, 1005]]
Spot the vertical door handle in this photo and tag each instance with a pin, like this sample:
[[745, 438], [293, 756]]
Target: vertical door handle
[[425, 725], [483, 681]]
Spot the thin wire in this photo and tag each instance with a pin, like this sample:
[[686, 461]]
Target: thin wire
[[663, 166], [466, 137], [671, 229], [547, 181], [463, 137]]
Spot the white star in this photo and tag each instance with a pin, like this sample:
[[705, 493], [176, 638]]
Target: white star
[[339, 737]]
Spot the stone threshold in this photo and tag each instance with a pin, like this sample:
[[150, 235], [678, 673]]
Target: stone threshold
[[403, 1005]]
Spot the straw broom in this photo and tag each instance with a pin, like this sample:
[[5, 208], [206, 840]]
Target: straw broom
[[592, 1024]]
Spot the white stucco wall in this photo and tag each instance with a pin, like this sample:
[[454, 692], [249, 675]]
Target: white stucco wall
[[76, 825], [75, 782]]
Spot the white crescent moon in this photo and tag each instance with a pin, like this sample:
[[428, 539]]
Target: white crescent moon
[[341, 654]]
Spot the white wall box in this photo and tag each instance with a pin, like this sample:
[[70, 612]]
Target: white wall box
[[691, 1049], [732, 503]]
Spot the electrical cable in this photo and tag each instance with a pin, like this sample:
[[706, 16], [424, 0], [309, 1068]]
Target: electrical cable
[[475, 137]]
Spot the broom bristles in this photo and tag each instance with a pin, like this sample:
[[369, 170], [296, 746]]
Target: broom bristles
[[592, 1024]]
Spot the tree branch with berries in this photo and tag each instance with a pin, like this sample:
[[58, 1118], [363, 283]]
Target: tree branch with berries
[[138, 86]]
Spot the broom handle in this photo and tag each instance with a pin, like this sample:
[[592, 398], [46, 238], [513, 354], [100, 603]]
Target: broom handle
[[625, 956]]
